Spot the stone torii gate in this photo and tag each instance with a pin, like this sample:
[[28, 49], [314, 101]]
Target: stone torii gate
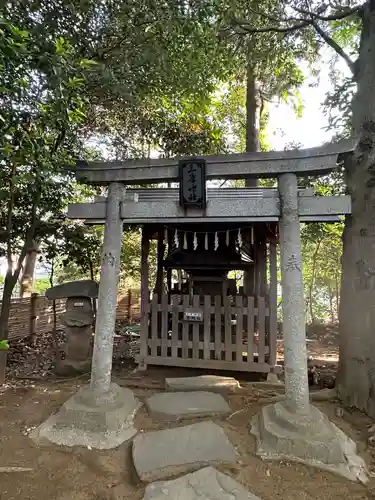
[[101, 414]]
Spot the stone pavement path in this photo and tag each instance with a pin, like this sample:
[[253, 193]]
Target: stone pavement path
[[166, 453], [181, 405], [211, 383], [205, 484], [188, 451]]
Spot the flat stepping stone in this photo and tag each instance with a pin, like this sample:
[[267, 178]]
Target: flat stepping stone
[[213, 383], [180, 405], [205, 484], [171, 452]]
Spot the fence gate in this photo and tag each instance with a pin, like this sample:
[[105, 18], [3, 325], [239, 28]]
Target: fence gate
[[228, 333]]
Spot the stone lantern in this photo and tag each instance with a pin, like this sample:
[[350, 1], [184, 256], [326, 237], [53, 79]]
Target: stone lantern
[[78, 319]]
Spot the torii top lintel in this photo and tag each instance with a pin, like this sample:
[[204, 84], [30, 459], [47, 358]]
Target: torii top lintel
[[314, 161]]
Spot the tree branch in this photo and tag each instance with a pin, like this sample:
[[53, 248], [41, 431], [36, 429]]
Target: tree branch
[[335, 46], [334, 17], [247, 28]]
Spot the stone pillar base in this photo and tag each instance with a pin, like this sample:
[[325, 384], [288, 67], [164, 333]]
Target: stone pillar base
[[311, 439], [272, 378], [92, 419], [69, 368]]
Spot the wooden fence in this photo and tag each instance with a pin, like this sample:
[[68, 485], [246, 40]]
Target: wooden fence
[[238, 335], [34, 315]]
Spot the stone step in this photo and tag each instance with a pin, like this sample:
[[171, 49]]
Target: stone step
[[162, 454], [205, 484], [213, 383], [181, 405]]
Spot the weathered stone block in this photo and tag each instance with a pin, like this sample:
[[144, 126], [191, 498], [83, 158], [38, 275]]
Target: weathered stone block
[[79, 312], [80, 288], [202, 383], [70, 368], [162, 454], [92, 419], [180, 405], [308, 438], [205, 484]]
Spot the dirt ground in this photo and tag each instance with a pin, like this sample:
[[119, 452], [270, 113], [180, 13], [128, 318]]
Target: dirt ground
[[82, 474]]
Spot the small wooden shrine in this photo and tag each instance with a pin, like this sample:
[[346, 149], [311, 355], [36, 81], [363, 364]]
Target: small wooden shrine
[[196, 314]]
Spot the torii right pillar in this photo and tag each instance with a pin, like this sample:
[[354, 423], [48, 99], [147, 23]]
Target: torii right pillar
[[294, 429]]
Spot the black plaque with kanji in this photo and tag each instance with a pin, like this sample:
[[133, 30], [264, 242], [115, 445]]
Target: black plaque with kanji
[[193, 183]]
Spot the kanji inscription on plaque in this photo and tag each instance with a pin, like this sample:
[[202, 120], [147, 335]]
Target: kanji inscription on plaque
[[192, 183]]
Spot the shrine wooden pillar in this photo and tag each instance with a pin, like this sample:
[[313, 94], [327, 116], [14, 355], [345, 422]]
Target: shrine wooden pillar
[[169, 270], [160, 270], [272, 300], [145, 297], [261, 267]]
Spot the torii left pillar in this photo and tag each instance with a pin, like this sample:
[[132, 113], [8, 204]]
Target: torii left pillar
[[107, 298], [101, 414]]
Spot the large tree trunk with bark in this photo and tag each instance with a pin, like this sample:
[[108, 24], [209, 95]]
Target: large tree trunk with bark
[[252, 145], [6, 302], [356, 381], [26, 286]]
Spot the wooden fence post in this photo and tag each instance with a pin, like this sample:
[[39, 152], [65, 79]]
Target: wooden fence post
[[130, 311], [33, 317]]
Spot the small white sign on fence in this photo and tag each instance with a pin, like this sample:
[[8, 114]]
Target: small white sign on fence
[[193, 315]]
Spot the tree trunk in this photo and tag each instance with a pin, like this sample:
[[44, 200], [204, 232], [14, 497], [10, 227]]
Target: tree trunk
[[253, 106], [356, 381], [330, 298], [252, 146], [4, 320], [312, 282], [54, 327], [337, 293], [27, 279]]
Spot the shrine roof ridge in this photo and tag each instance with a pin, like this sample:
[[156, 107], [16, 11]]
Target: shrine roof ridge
[[318, 160]]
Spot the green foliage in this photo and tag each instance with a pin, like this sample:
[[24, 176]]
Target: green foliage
[[153, 62], [4, 345], [322, 250], [41, 285], [134, 77], [42, 109]]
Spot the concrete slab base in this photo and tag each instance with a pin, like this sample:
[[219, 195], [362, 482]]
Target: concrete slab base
[[205, 484], [211, 383], [69, 368], [96, 420], [182, 405], [272, 378], [171, 452], [311, 439]]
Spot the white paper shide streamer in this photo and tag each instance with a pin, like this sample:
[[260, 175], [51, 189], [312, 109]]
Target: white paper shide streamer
[[206, 241], [185, 241], [195, 241], [176, 241], [216, 242], [239, 238]]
